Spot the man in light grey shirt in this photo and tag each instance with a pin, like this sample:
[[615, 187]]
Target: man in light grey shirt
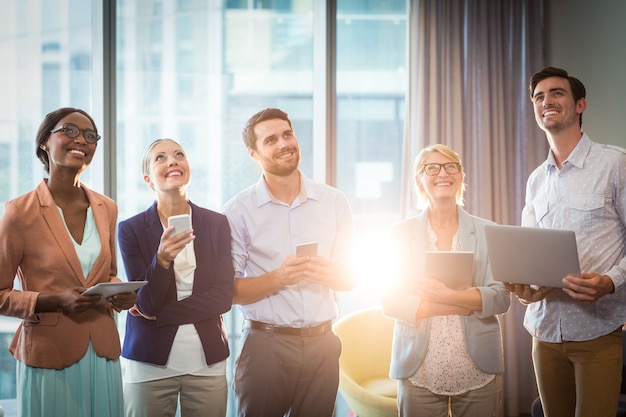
[[577, 331]]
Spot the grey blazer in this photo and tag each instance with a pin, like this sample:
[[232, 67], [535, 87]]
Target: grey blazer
[[481, 328]]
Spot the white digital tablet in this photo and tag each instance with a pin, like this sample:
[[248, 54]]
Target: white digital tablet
[[531, 255], [454, 269], [107, 289]]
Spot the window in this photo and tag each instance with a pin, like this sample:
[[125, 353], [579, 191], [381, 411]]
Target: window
[[195, 71], [371, 85]]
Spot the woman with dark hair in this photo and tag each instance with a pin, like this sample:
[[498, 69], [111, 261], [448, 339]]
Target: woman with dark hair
[[59, 239]]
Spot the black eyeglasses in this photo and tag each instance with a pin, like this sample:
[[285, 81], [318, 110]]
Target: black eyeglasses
[[72, 131], [434, 169]]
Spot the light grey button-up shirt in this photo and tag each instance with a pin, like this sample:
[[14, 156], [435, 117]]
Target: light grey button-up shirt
[[588, 196]]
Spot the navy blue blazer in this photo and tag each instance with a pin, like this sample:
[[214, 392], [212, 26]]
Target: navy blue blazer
[[212, 295]]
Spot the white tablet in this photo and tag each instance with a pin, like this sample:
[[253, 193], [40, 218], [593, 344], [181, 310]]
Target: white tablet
[[455, 269], [107, 289]]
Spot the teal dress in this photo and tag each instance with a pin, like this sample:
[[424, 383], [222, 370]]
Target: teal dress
[[92, 387]]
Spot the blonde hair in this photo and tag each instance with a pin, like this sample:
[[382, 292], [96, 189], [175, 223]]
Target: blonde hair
[[420, 161], [145, 165]]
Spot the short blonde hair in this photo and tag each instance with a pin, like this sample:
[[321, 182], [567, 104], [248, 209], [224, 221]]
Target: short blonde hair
[[418, 169]]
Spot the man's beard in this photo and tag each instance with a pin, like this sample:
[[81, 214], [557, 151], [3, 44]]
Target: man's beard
[[282, 170]]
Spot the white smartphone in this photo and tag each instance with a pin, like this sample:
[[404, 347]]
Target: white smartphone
[[306, 249], [181, 223]]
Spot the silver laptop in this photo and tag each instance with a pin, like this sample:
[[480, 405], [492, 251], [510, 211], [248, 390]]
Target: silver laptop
[[530, 255], [454, 269]]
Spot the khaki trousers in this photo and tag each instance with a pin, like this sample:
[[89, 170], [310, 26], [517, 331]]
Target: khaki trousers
[[579, 379], [200, 396]]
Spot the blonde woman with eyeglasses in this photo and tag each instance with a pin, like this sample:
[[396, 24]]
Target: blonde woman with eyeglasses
[[447, 347]]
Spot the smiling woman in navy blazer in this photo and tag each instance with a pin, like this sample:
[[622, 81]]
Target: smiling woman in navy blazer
[[175, 338]]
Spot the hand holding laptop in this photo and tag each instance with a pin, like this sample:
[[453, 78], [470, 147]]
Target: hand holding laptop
[[589, 287], [527, 293], [530, 261]]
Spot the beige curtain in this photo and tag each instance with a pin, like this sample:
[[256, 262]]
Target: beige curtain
[[470, 62]]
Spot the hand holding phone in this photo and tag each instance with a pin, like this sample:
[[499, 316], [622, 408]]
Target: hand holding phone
[[181, 223]]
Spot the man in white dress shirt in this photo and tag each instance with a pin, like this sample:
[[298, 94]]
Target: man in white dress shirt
[[289, 361]]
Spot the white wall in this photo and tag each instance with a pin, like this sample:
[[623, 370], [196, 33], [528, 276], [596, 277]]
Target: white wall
[[588, 39]]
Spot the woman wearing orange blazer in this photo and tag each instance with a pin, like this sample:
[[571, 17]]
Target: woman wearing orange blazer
[[59, 239]]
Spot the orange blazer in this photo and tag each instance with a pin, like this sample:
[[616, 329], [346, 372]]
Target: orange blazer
[[36, 246]]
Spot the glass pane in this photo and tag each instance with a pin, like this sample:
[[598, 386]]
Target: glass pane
[[371, 85], [195, 73], [370, 99], [47, 54], [268, 62]]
